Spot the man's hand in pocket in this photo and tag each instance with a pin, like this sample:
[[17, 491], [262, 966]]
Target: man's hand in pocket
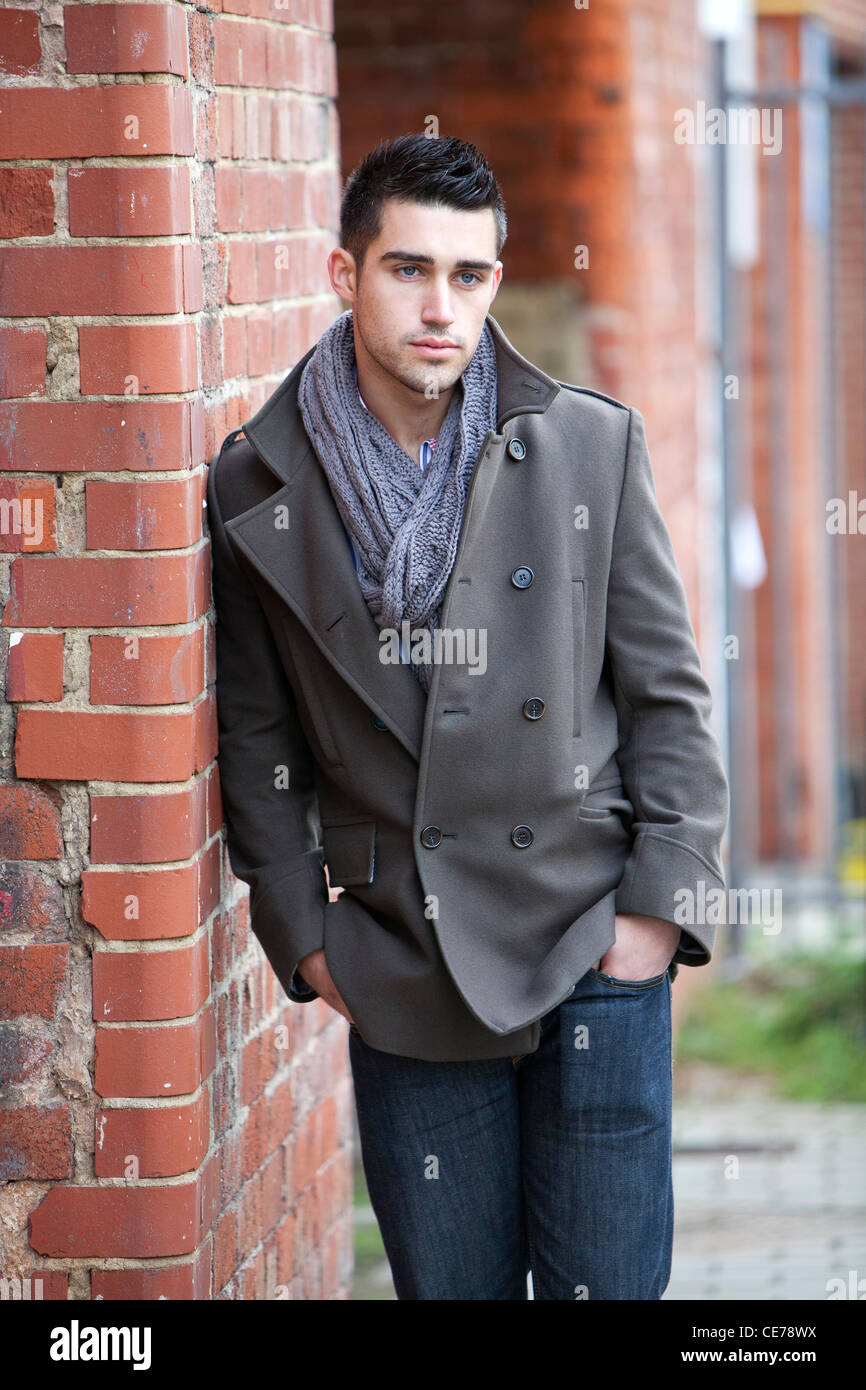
[[644, 947], [314, 969]]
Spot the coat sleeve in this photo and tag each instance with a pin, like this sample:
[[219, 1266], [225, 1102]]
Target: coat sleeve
[[265, 769], [669, 756]]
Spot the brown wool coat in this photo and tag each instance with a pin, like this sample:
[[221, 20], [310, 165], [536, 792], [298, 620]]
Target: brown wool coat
[[483, 843]]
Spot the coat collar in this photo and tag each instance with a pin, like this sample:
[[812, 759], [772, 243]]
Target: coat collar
[[308, 562], [277, 432]]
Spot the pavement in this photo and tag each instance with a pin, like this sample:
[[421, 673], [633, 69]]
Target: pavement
[[769, 1194]]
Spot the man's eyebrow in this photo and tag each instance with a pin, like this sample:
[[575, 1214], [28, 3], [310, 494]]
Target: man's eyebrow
[[428, 260]]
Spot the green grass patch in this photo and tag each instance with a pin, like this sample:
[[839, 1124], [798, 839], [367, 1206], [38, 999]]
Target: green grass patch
[[800, 1022]]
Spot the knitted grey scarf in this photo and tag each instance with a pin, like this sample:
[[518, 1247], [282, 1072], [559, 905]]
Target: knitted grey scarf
[[404, 523]]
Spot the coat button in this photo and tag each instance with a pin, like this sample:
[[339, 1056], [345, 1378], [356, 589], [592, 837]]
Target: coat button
[[521, 836], [431, 836], [533, 708], [522, 577], [377, 723], [516, 449]]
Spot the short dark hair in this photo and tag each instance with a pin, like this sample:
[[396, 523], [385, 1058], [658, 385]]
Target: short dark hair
[[441, 171]]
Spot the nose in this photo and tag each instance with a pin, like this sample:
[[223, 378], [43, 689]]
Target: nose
[[437, 304]]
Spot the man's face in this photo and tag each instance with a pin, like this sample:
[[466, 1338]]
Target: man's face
[[430, 276]]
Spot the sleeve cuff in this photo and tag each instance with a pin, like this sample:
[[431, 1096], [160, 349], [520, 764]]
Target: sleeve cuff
[[299, 990], [288, 919], [668, 879]]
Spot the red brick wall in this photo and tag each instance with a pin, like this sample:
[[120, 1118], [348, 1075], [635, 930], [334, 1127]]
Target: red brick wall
[[168, 193]]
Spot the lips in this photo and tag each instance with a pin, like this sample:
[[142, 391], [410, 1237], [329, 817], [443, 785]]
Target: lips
[[434, 345]]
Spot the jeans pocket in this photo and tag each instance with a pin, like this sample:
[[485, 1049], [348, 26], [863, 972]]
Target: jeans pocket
[[615, 1053], [615, 983]]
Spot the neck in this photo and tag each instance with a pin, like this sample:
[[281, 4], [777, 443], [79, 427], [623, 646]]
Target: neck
[[408, 416]]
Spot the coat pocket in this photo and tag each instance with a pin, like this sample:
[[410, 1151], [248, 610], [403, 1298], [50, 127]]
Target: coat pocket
[[350, 850], [578, 634]]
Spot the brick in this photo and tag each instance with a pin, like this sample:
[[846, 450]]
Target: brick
[[22, 361], [141, 1062], [227, 187], [143, 516], [80, 746], [253, 55], [235, 340], [137, 358], [24, 1053], [210, 337], [273, 1200], [259, 329], [136, 201], [225, 122], [26, 201], [51, 280], [260, 122], [255, 199], [118, 1222], [19, 41], [106, 591], [281, 1102], [183, 1282], [200, 31], [281, 340], [167, 1141], [142, 905], [83, 122], [148, 829], [136, 435], [35, 1142], [147, 670], [32, 979], [125, 38], [30, 824], [243, 281], [209, 862], [191, 267], [206, 140], [34, 670], [227, 53], [225, 1249], [27, 516], [285, 190], [136, 985], [31, 902]]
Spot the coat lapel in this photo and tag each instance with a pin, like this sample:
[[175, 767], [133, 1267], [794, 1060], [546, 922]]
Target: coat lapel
[[302, 552]]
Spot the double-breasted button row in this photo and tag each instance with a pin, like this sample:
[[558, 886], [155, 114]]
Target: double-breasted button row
[[521, 836]]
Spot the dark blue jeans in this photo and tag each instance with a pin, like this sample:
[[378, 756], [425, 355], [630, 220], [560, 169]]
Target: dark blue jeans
[[557, 1161]]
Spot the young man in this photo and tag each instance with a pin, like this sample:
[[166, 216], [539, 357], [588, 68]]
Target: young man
[[455, 666]]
